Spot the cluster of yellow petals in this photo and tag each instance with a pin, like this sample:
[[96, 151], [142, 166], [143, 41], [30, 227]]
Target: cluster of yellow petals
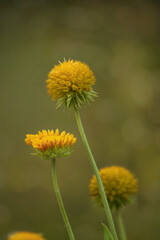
[[69, 76], [49, 139], [25, 236], [119, 183]]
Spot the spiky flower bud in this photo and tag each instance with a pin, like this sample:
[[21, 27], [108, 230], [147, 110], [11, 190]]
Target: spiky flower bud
[[70, 83], [119, 184], [25, 236]]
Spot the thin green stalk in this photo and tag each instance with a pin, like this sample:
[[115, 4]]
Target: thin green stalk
[[121, 228], [60, 202], [96, 172]]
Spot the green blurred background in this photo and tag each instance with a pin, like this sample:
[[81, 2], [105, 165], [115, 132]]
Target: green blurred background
[[119, 40]]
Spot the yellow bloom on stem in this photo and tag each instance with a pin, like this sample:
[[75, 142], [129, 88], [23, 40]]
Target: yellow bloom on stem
[[50, 144], [119, 185], [70, 82], [25, 236]]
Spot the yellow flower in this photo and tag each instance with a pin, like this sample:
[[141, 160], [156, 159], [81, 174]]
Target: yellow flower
[[25, 236], [119, 185], [50, 144], [71, 82]]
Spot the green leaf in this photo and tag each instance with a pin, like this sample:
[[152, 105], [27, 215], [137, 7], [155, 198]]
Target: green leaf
[[107, 234]]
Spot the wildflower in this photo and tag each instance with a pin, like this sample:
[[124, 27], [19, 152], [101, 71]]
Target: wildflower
[[119, 185], [50, 144], [70, 83], [25, 236]]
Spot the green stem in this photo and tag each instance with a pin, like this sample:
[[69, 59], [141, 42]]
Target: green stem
[[96, 172], [60, 202], [121, 228]]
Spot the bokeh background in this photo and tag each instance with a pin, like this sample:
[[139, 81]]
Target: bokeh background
[[119, 40]]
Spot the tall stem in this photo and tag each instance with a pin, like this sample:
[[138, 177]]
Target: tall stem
[[60, 202], [121, 228], [96, 172]]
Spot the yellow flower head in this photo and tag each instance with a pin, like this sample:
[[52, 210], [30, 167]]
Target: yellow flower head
[[71, 82], [119, 185], [25, 236], [50, 144]]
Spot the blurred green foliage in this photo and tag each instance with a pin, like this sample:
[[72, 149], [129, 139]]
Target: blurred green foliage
[[119, 40]]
